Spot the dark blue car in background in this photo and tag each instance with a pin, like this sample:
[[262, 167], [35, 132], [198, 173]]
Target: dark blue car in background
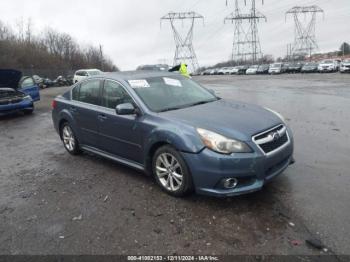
[[175, 130], [17, 93]]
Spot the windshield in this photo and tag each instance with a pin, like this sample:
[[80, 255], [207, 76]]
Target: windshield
[[170, 93], [346, 61], [263, 66], [327, 62], [95, 72], [276, 65], [310, 64]]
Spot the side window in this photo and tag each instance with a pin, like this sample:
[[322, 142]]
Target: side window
[[27, 82], [75, 92], [90, 92], [78, 73], [114, 94]]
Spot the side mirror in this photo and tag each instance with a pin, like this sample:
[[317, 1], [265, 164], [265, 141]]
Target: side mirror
[[125, 109]]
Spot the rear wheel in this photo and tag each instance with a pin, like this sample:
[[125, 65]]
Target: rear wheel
[[171, 172], [69, 140]]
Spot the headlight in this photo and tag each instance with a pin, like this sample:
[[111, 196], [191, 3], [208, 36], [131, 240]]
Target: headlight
[[277, 114], [28, 97], [221, 144]]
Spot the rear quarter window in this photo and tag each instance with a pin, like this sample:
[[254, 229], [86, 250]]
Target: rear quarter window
[[89, 92], [75, 93]]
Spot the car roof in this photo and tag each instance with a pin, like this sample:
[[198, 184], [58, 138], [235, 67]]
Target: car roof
[[91, 69], [131, 75]]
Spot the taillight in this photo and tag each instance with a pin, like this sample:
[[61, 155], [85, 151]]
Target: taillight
[[53, 104]]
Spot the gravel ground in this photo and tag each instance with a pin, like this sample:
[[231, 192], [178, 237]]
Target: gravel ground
[[54, 203]]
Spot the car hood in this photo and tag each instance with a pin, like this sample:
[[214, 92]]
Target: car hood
[[10, 78], [229, 118]]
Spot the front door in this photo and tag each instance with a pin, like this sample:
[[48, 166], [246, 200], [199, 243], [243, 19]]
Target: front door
[[119, 135], [28, 86]]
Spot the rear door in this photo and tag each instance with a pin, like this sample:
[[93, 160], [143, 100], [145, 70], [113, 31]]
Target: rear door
[[86, 102], [27, 85], [119, 135]]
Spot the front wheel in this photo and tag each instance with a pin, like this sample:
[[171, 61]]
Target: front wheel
[[171, 172]]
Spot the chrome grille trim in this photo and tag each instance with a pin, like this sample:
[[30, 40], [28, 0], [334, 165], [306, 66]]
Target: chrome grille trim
[[268, 138]]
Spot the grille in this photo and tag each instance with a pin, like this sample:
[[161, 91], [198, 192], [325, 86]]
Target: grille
[[272, 139], [271, 146], [10, 101]]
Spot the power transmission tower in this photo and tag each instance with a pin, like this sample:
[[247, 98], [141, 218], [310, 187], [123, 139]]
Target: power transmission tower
[[246, 44], [184, 52], [305, 33]]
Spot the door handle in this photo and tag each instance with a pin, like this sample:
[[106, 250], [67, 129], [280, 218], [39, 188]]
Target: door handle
[[102, 117]]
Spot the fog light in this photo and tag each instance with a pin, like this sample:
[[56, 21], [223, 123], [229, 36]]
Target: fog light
[[230, 183]]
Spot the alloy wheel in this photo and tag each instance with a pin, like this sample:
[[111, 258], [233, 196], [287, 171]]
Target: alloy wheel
[[169, 172], [68, 138]]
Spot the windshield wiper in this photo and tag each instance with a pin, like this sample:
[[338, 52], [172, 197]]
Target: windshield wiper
[[170, 109], [202, 102], [188, 105]]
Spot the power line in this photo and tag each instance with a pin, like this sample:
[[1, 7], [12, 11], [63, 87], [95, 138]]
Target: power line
[[246, 43], [184, 52], [305, 33]]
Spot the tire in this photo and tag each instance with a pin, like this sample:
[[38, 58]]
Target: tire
[[179, 182], [29, 111], [69, 140]]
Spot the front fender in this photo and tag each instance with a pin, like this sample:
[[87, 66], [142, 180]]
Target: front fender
[[183, 139]]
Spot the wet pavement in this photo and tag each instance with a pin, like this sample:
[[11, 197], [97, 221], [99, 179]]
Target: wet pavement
[[54, 203]]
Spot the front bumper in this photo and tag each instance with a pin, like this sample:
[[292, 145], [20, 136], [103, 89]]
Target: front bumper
[[252, 170], [326, 70], [345, 69], [13, 108]]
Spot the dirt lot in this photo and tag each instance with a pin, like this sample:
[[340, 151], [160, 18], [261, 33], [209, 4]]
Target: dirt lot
[[54, 203]]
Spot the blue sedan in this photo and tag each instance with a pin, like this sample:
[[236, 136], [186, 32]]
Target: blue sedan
[[175, 130], [17, 93]]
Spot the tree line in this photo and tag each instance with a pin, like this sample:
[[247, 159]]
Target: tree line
[[49, 50]]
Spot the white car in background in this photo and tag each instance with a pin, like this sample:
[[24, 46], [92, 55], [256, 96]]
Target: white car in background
[[252, 70], [85, 73], [328, 65], [276, 68], [225, 71], [234, 70], [345, 66]]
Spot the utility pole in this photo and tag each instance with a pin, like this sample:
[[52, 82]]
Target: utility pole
[[246, 43], [184, 52], [101, 58], [305, 34]]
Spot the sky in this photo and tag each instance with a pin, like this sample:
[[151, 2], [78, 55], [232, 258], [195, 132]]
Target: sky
[[131, 34]]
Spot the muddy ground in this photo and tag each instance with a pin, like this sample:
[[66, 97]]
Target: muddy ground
[[54, 203]]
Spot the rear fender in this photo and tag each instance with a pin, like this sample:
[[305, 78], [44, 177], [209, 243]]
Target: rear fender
[[66, 116]]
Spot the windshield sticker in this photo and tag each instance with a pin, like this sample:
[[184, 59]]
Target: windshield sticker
[[172, 82], [141, 83]]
